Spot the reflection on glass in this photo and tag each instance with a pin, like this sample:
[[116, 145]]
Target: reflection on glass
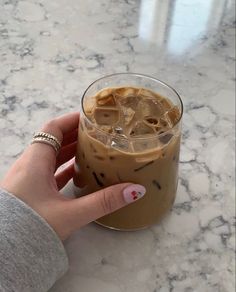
[[178, 24]]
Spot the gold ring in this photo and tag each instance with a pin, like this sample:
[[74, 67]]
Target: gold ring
[[46, 138]]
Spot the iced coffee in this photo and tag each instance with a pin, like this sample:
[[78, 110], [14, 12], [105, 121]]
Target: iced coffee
[[131, 134]]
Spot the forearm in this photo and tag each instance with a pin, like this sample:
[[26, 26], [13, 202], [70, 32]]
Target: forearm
[[32, 256]]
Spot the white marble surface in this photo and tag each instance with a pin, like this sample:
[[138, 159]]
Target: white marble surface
[[50, 51]]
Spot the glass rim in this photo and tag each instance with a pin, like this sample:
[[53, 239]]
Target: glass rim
[[148, 136]]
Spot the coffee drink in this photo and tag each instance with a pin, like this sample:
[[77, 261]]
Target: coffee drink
[[131, 134]]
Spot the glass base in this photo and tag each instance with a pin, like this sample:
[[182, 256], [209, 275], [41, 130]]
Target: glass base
[[121, 229]]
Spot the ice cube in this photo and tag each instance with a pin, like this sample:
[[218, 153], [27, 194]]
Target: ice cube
[[163, 122], [120, 144], [151, 121], [139, 146], [106, 128], [150, 107], [103, 138], [106, 116], [141, 129], [129, 114], [129, 101], [147, 93], [106, 98], [97, 136], [146, 144], [118, 130], [172, 116], [126, 91], [165, 103], [127, 97], [88, 109], [88, 125], [154, 123], [165, 137]]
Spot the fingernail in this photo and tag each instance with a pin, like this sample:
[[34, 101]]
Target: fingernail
[[133, 193]]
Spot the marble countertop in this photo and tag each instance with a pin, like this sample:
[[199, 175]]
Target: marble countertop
[[50, 51]]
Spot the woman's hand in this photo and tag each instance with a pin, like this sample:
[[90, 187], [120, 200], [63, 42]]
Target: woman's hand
[[32, 179]]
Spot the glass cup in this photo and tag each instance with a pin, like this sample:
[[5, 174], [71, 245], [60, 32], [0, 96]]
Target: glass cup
[[105, 159]]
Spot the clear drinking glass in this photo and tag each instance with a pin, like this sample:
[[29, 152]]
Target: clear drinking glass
[[105, 159]]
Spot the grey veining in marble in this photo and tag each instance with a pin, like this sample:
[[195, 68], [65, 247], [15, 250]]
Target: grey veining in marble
[[50, 51]]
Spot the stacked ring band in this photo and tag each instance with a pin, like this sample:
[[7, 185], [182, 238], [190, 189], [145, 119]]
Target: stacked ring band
[[42, 137]]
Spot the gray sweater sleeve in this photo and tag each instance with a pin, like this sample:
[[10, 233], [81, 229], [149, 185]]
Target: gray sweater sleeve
[[32, 257]]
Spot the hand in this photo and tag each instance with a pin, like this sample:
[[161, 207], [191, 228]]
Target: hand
[[33, 180]]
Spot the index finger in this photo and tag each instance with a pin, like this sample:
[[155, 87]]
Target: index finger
[[62, 125]]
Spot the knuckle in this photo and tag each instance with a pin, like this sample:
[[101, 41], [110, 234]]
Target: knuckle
[[107, 201], [52, 127]]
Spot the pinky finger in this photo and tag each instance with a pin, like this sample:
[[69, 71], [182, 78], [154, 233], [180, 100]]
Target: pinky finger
[[64, 176]]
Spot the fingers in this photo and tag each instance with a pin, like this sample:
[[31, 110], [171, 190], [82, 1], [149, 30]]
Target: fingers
[[64, 176], [91, 207], [60, 127], [63, 125], [70, 137], [68, 122], [66, 153]]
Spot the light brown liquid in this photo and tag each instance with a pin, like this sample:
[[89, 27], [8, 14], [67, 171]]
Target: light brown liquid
[[134, 140]]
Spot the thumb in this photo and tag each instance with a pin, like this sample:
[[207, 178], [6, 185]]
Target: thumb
[[91, 207]]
